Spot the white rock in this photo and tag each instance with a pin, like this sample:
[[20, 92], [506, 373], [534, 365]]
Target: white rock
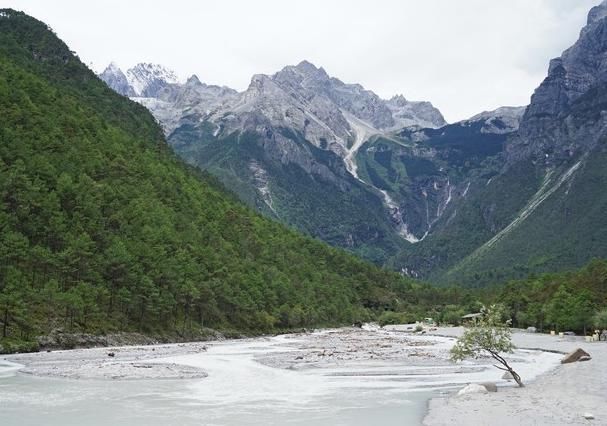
[[371, 326], [472, 388]]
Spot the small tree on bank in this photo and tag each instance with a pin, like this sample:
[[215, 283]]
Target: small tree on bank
[[490, 335], [600, 320]]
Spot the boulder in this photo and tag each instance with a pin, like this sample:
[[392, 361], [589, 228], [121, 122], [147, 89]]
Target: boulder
[[531, 330], [574, 356], [490, 386], [472, 388], [588, 416]]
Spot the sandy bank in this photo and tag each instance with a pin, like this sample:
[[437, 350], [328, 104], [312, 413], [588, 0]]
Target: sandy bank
[[559, 397], [126, 362]]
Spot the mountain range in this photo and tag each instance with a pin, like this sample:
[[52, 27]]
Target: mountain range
[[499, 195], [292, 149]]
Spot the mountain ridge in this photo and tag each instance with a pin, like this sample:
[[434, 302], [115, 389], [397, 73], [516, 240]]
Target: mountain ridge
[[296, 106], [440, 201], [300, 105]]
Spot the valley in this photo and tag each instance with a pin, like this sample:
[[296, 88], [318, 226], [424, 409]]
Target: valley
[[301, 250]]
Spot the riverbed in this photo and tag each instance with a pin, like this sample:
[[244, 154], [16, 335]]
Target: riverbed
[[347, 376]]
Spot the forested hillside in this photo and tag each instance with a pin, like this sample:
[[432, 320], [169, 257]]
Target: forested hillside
[[575, 300], [102, 228]]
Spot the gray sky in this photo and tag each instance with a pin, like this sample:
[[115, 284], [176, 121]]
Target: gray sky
[[464, 56]]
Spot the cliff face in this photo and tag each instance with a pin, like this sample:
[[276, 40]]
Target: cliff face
[[578, 69], [551, 128]]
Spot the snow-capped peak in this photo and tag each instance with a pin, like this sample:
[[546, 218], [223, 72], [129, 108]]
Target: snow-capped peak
[[193, 80], [116, 79], [306, 66], [113, 66], [399, 100], [142, 80], [112, 70], [147, 79]]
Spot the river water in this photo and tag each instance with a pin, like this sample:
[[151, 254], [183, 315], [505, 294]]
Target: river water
[[242, 391]]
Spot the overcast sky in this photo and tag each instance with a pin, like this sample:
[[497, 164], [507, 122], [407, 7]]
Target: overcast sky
[[464, 56]]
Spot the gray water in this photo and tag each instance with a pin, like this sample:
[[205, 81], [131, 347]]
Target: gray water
[[239, 390], [41, 401]]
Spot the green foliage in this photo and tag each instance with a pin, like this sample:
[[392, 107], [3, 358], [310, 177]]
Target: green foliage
[[600, 319], [391, 318], [451, 314], [564, 232], [569, 310], [490, 335], [16, 345], [565, 301], [463, 146], [325, 202]]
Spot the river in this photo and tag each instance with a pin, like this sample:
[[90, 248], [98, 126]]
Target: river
[[241, 390]]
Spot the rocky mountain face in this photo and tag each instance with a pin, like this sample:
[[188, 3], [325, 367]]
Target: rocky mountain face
[[143, 80], [411, 113], [297, 128], [538, 204], [331, 159], [500, 121], [547, 129], [116, 79], [498, 195], [303, 98], [191, 102]]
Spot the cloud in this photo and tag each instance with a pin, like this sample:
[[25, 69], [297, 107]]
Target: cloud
[[464, 56]]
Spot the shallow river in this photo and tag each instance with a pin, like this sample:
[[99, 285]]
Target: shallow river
[[241, 391]]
